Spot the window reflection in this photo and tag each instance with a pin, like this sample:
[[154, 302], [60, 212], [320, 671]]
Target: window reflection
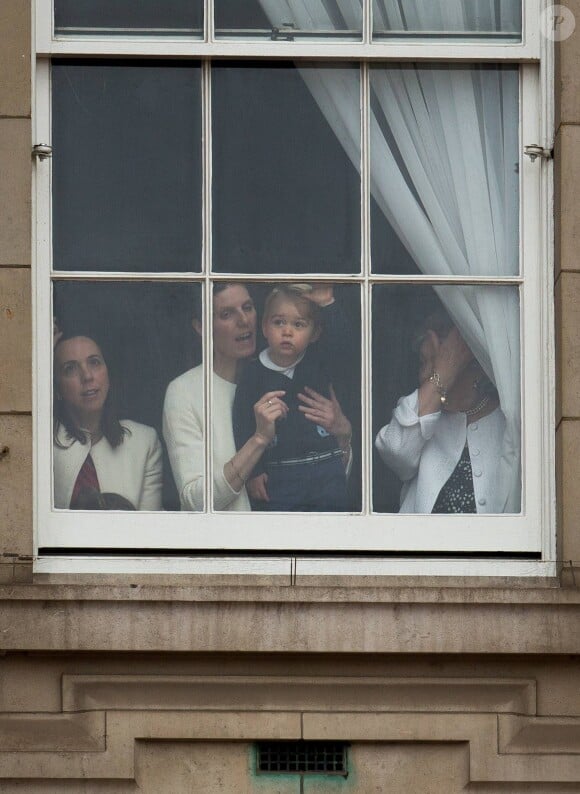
[[286, 196], [126, 17], [451, 443], [126, 174]]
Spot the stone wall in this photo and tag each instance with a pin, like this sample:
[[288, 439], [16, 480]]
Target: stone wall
[[153, 685]]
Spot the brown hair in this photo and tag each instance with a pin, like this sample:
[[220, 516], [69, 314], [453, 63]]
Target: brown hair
[[111, 427]]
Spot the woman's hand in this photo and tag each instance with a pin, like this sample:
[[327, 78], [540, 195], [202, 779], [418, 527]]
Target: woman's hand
[[267, 411], [56, 333], [327, 413], [322, 294], [451, 356], [257, 488], [447, 357]]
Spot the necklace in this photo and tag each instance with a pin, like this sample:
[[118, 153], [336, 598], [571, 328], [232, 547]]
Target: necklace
[[477, 408]]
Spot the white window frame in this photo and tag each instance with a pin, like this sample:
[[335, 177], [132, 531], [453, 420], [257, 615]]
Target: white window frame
[[531, 532]]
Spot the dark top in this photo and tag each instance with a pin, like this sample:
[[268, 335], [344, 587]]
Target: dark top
[[457, 495]]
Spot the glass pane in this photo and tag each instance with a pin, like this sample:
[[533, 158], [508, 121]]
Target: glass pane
[[445, 170], [284, 20], [464, 20], [286, 194], [129, 17], [446, 399], [296, 406], [126, 176], [118, 346]]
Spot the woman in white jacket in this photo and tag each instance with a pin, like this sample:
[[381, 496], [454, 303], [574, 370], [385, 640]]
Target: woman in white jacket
[[444, 440], [95, 452]]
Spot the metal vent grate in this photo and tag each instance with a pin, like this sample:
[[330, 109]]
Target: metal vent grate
[[298, 758]]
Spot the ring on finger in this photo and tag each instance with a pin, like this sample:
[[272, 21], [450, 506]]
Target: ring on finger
[[269, 402]]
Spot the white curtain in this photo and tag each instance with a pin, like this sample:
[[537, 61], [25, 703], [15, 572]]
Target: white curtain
[[444, 145], [480, 16]]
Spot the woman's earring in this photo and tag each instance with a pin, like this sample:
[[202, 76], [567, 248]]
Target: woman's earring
[[476, 384]]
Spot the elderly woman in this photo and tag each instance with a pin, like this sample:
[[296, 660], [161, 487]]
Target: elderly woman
[[234, 342], [444, 440], [94, 451]]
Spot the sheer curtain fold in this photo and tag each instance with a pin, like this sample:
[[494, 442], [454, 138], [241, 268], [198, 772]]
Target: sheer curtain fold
[[479, 16], [444, 163]]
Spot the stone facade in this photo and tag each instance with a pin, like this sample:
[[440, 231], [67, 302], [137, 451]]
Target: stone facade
[[148, 684]]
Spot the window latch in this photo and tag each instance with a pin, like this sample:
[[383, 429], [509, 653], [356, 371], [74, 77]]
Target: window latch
[[284, 32], [42, 151], [535, 150]]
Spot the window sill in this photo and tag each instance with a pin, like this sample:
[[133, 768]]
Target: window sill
[[291, 619]]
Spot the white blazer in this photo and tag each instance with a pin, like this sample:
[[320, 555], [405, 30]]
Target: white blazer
[[424, 450], [134, 469]]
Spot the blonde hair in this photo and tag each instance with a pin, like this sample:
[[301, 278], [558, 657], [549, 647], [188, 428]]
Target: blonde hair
[[296, 294]]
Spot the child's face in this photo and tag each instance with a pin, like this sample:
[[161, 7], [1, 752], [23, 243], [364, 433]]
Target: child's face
[[289, 330]]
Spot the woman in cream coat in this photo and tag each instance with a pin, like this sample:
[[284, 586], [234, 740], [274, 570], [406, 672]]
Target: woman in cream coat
[[94, 452]]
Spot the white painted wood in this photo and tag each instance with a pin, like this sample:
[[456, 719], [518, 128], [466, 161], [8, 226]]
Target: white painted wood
[[298, 531], [166, 47], [532, 531], [283, 566]]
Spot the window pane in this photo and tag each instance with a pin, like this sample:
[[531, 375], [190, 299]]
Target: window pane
[[445, 170], [119, 346], [281, 20], [466, 20], [171, 17], [308, 348], [461, 455], [126, 166], [286, 195]]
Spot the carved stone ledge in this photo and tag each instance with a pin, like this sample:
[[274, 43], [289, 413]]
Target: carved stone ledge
[[297, 693]]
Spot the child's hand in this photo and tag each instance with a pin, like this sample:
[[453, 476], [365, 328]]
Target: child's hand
[[267, 411], [326, 413], [257, 488]]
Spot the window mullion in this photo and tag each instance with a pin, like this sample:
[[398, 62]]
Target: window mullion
[[209, 32], [207, 303], [366, 320]]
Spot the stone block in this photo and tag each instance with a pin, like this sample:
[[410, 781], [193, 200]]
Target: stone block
[[16, 486], [399, 769], [566, 189], [568, 345], [569, 432], [206, 768], [568, 73], [15, 191], [15, 340], [15, 18]]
